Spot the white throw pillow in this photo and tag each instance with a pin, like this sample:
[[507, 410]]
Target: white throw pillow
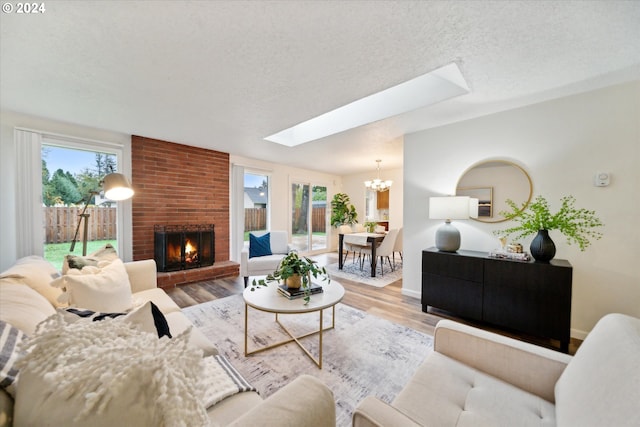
[[104, 288], [37, 273], [147, 318], [105, 253], [22, 306]]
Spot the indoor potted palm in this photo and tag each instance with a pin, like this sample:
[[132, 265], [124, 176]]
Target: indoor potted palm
[[576, 224], [342, 212], [295, 272]]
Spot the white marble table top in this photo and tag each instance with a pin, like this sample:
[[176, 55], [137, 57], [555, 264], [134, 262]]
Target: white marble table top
[[269, 299]]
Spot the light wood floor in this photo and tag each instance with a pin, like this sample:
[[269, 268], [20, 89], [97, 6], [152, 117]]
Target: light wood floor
[[388, 302]]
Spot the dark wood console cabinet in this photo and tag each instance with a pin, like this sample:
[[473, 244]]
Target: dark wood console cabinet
[[529, 297]]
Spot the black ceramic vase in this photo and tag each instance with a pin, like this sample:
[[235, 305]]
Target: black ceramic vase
[[542, 247]]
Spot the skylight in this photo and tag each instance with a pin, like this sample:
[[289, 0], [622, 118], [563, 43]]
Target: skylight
[[436, 86]]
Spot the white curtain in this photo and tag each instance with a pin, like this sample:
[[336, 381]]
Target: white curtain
[[29, 212], [237, 211]]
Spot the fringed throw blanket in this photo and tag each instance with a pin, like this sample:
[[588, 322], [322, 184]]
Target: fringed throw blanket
[[222, 380], [93, 361]]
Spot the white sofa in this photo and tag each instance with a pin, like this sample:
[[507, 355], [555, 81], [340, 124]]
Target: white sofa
[[477, 378], [263, 265], [24, 302]]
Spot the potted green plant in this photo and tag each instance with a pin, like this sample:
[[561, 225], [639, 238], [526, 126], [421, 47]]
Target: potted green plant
[[342, 212], [295, 272], [576, 224]]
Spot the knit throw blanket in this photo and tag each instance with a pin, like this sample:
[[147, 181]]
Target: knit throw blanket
[[222, 380], [96, 359]]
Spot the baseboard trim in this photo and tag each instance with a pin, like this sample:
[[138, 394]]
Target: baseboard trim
[[412, 294], [576, 333]]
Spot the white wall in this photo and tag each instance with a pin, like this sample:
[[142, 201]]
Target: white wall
[[561, 144], [9, 121]]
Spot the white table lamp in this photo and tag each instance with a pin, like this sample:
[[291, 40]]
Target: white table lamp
[[448, 208]]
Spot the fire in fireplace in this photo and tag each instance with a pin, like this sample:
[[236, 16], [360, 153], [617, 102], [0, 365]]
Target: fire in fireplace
[[181, 247]]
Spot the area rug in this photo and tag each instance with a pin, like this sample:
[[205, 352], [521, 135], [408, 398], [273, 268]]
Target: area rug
[[352, 271], [364, 355]]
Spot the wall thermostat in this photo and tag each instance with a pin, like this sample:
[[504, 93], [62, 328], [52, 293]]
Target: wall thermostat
[[602, 179]]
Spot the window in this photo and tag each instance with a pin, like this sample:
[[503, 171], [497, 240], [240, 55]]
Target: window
[[29, 204], [70, 177], [256, 203]]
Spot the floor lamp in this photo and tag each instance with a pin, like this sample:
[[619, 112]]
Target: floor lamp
[[116, 187]]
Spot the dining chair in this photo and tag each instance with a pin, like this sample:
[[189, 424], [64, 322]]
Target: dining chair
[[397, 247], [385, 250], [350, 247], [346, 247]]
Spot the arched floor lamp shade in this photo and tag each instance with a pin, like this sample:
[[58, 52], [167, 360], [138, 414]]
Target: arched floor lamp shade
[[449, 208], [116, 187]]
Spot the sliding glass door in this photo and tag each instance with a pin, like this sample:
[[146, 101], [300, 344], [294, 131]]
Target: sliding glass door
[[308, 217]]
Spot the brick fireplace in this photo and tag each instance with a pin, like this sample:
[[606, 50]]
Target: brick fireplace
[[179, 185]]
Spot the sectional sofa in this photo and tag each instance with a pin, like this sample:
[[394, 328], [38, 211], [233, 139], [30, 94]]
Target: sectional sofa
[[26, 299]]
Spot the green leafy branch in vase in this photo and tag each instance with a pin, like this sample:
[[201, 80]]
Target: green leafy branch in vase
[[577, 225]]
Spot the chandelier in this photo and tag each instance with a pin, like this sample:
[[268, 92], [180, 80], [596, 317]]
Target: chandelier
[[377, 184]]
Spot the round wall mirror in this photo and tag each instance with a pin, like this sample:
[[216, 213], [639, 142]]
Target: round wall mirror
[[492, 182]]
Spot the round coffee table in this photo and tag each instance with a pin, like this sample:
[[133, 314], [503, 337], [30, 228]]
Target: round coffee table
[[268, 299]]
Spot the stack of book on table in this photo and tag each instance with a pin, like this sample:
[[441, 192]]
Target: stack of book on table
[[298, 292], [497, 253]]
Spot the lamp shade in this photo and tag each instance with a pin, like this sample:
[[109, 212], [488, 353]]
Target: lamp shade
[[452, 207], [117, 187], [473, 207]]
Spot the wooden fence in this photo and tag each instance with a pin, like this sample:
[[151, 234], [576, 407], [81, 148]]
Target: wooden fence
[[319, 220], [256, 219], [61, 222]]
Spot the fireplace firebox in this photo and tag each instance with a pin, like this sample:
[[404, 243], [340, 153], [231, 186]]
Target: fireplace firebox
[[181, 247]]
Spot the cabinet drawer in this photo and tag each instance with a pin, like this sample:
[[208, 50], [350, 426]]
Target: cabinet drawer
[[453, 265], [462, 297]]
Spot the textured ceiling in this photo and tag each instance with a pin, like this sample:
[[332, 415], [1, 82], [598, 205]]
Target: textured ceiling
[[226, 74]]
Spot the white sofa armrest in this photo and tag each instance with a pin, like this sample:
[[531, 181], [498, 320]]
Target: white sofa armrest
[[526, 366], [142, 275], [373, 412], [244, 261], [304, 402]]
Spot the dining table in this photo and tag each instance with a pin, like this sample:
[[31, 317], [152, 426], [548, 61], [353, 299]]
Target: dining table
[[362, 239]]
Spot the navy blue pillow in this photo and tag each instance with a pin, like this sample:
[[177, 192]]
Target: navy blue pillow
[[259, 246]]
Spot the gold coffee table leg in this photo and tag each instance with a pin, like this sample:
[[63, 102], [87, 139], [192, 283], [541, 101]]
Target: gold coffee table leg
[[293, 338]]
